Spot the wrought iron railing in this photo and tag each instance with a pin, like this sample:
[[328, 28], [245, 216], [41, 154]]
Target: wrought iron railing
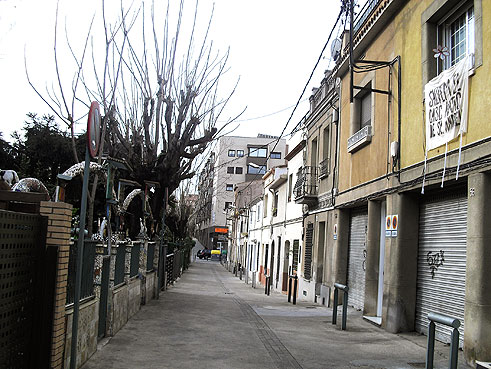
[[135, 259], [307, 182], [150, 256], [325, 167], [119, 264], [87, 289]]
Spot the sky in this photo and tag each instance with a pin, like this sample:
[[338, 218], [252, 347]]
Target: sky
[[274, 46]]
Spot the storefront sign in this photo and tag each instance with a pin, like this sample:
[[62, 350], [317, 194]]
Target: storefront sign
[[446, 104], [221, 230]]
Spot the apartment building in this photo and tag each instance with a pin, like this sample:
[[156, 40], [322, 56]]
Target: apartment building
[[234, 160], [406, 227]]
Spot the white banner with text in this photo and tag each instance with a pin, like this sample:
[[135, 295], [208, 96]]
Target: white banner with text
[[446, 105]]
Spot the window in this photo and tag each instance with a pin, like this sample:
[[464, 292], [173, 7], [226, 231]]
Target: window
[[265, 206], [295, 255], [258, 152], [228, 204], [276, 155], [229, 187], [240, 153], [258, 212], [238, 170], [290, 187], [256, 169], [231, 153], [457, 34], [361, 116], [275, 204], [230, 170], [456, 25]]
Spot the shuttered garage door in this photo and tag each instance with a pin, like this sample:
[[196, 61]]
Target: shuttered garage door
[[356, 258], [441, 263]]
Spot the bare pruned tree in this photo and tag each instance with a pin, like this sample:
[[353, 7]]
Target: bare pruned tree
[[158, 87]]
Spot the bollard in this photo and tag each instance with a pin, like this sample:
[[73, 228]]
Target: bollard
[[235, 270], [337, 287], [290, 288], [253, 280], [240, 272], [266, 285], [295, 286], [454, 345]]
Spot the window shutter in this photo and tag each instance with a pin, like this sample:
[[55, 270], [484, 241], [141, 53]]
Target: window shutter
[[309, 238], [366, 110]]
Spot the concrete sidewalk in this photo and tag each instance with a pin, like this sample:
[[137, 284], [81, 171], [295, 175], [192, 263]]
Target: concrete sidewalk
[[211, 319]]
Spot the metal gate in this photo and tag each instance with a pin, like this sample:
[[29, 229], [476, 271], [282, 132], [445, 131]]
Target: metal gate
[[441, 263], [357, 257], [22, 254]]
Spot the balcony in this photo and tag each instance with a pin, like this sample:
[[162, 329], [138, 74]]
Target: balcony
[[325, 168], [360, 138], [307, 186]]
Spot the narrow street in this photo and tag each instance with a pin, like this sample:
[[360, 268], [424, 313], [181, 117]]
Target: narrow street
[[211, 319]]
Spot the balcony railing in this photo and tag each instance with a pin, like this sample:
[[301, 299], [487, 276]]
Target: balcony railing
[[360, 138], [307, 185], [325, 168], [364, 14]]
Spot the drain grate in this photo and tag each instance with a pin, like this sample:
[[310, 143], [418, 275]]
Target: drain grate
[[418, 365], [311, 307], [229, 293]]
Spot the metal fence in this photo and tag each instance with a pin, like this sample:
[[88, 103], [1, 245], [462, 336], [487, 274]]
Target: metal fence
[[120, 263], [135, 259], [88, 257], [150, 256]]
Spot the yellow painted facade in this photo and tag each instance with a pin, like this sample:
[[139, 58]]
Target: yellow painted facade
[[408, 43], [370, 161], [402, 35]]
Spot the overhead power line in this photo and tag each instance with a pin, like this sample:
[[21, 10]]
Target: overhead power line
[[342, 10]]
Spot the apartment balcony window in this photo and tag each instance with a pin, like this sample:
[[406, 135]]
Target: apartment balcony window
[[240, 153], [258, 152], [307, 185], [361, 120], [324, 168]]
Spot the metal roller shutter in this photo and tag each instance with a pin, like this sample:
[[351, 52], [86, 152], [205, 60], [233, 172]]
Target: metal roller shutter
[[357, 257], [441, 263]]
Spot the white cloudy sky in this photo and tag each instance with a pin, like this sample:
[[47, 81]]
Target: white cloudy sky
[[274, 45]]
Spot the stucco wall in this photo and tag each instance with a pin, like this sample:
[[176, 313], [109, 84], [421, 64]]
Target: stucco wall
[[120, 308], [134, 297], [150, 285], [87, 332]]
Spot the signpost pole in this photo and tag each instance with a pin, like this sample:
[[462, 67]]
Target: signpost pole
[[93, 138], [78, 273]]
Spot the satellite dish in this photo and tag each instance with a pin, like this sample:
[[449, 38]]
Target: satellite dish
[[336, 49]]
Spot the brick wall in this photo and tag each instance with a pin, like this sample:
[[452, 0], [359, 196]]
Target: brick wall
[[59, 216]]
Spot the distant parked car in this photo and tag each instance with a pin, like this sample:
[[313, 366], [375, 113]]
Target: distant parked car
[[204, 254]]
